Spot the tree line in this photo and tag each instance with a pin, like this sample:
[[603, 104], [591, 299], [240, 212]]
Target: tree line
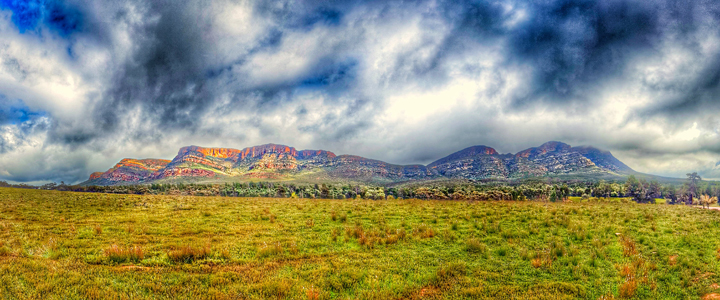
[[693, 191]]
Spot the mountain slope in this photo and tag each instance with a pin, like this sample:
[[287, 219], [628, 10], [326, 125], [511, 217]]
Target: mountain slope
[[280, 162], [603, 159], [129, 171], [551, 158]]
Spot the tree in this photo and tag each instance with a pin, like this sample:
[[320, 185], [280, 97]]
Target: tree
[[654, 191], [641, 191], [693, 179], [670, 193], [553, 196], [324, 191], [603, 189], [634, 188]]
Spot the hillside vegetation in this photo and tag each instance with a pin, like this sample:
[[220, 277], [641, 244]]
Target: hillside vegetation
[[65, 245]]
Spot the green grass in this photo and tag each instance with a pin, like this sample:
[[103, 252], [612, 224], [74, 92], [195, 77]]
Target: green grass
[[61, 245]]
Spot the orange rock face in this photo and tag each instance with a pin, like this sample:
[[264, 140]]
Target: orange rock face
[[218, 152], [256, 152], [145, 164], [130, 169]]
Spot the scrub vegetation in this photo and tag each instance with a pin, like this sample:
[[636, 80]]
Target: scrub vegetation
[[72, 245]]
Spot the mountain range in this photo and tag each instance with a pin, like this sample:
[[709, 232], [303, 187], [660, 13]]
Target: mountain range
[[280, 162]]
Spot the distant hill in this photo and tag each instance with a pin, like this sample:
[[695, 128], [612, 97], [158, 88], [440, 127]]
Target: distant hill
[[280, 162]]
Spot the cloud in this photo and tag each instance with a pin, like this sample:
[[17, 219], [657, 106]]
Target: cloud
[[85, 83]]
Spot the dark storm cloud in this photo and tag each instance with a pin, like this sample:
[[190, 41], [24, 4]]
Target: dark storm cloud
[[165, 77], [174, 83], [689, 99], [571, 46]]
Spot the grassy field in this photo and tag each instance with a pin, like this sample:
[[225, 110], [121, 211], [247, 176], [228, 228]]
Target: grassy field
[[96, 246]]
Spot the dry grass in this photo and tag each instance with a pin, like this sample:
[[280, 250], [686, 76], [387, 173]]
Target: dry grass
[[186, 254], [627, 290], [4, 250], [629, 247], [271, 249], [424, 231], [118, 254]]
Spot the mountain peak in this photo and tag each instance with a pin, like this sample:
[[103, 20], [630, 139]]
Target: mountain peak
[[479, 150], [552, 146]]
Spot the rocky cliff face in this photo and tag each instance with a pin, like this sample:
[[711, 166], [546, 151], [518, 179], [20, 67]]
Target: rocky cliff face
[[129, 171], [273, 161], [265, 161]]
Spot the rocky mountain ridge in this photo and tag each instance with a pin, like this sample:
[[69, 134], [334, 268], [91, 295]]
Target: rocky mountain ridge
[[272, 161]]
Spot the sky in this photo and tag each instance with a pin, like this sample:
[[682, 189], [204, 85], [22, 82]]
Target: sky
[[84, 84]]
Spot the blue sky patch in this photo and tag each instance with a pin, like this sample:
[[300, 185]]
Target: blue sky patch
[[65, 20], [16, 112], [328, 17], [28, 14], [330, 74]]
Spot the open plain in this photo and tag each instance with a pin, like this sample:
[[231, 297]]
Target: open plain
[[65, 245]]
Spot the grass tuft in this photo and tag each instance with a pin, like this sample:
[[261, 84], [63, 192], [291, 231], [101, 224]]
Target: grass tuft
[[449, 273], [118, 254], [475, 246], [188, 254], [424, 231], [627, 290], [268, 250]]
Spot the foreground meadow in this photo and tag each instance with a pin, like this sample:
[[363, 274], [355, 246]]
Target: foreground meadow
[[100, 246]]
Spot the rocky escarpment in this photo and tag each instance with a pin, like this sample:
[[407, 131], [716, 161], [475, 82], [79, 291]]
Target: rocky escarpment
[[274, 161], [270, 157], [129, 170]]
